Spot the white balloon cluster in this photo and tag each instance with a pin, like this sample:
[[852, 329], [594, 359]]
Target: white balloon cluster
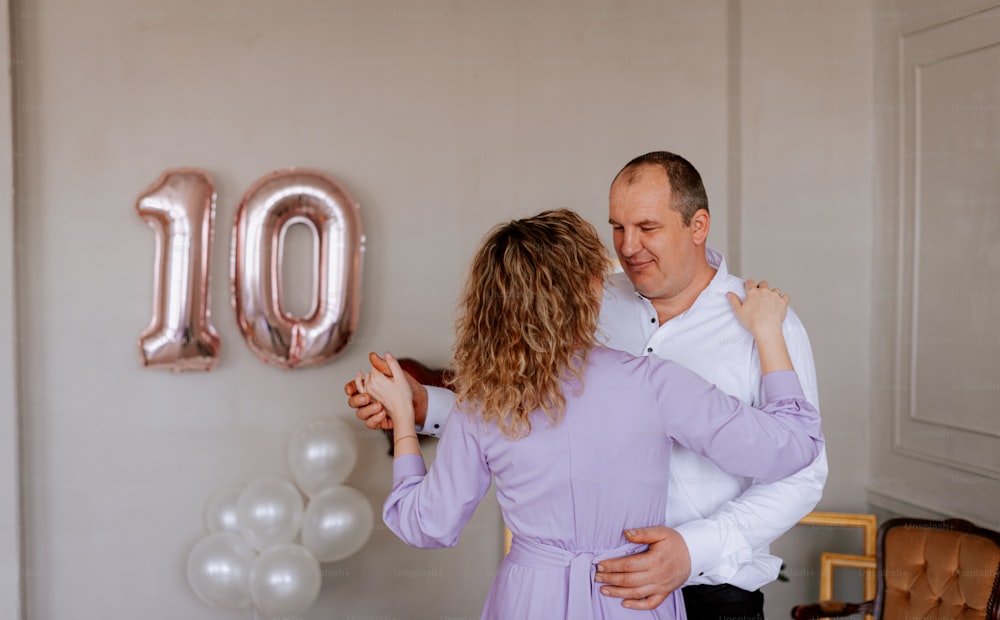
[[251, 555]]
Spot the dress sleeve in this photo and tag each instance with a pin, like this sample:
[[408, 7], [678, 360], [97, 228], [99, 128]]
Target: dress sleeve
[[429, 509], [768, 443]]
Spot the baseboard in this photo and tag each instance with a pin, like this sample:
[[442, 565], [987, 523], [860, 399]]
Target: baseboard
[[897, 506]]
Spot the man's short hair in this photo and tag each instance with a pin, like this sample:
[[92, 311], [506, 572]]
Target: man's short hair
[[687, 191]]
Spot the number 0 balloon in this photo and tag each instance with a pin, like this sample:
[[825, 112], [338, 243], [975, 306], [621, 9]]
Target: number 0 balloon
[[273, 204]]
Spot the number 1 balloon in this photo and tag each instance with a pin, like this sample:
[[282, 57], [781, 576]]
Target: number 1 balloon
[[180, 207], [273, 204]]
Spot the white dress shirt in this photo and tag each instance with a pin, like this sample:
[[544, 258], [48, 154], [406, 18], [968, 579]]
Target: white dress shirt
[[726, 521]]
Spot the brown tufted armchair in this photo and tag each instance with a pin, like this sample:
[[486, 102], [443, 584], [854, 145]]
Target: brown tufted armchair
[[928, 570]]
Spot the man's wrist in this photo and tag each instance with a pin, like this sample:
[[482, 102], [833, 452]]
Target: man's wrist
[[704, 547], [440, 402]]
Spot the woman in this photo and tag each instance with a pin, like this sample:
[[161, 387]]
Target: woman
[[577, 436]]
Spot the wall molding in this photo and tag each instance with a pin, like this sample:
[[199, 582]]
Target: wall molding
[[900, 505], [734, 159], [925, 424], [11, 538]]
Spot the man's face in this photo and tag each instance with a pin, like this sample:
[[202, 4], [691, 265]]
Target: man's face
[[657, 251]]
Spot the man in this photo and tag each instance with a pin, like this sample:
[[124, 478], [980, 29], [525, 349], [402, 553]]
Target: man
[[670, 301]]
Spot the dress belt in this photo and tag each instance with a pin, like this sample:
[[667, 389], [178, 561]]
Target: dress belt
[[582, 566]]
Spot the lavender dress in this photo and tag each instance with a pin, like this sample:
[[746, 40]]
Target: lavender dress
[[568, 490]]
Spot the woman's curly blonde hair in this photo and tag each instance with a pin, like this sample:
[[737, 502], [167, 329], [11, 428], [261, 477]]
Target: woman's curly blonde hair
[[527, 318]]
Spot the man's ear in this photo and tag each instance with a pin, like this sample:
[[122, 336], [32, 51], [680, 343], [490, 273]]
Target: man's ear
[[701, 221]]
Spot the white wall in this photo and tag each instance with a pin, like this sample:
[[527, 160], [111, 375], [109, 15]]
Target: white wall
[[806, 153], [806, 127], [441, 120]]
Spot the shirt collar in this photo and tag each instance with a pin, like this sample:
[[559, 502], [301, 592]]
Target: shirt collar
[[718, 262]]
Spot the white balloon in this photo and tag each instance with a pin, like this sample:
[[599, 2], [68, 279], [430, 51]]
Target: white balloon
[[337, 523], [285, 579], [218, 570], [220, 513], [321, 454], [269, 511]]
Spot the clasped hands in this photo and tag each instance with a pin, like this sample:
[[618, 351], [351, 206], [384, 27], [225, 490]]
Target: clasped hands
[[370, 410], [388, 390]]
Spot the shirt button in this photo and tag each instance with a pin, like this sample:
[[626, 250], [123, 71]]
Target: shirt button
[[649, 350], [652, 320], [437, 426]]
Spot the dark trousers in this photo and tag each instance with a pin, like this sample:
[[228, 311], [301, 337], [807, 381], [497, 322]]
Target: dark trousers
[[723, 602]]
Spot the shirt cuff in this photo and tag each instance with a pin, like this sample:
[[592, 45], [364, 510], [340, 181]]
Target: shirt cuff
[[781, 385], [408, 465], [439, 403], [703, 544]]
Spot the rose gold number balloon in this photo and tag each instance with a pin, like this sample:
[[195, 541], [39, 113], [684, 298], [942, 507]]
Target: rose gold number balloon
[[273, 204], [180, 207]]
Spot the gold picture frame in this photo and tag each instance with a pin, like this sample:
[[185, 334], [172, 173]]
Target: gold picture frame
[[829, 561]]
